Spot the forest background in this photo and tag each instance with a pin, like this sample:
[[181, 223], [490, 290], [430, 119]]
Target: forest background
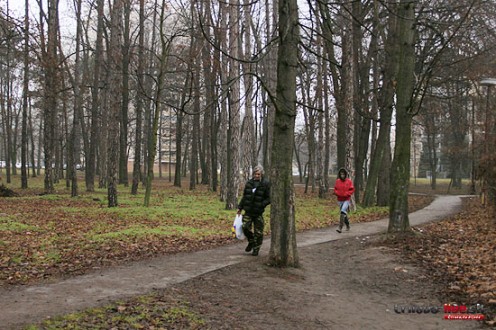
[[388, 90], [206, 90]]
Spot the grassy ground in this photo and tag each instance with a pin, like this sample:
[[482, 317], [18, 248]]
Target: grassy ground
[[443, 186], [45, 236]]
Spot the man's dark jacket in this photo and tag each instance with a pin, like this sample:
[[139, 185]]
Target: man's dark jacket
[[256, 196]]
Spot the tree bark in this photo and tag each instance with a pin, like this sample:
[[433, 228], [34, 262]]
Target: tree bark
[[50, 106], [25, 90], [208, 73], [283, 250], [78, 108], [248, 141], [165, 45], [139, 101], [195, 128], [400, 173], [115, 104], [223, 113], [233, 141], [124, 113], [272, 19], [386, 102], [148, 90], [96, 102]]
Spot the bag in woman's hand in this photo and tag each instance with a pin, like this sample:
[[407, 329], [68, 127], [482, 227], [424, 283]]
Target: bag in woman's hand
[[237, 227]]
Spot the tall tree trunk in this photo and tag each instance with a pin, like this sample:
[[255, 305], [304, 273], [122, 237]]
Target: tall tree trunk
[[165, 45], [7, 123], [272, 19], [283, 250], [74, 144], [206, 139], [214, 131], [338, 86], [346, 114], [148, 90], [195, 128], [139, 101], [96, 102], [115, 104], [124, 117], [214, 122], [223, 113], [50, 106], [310, 133], [327, 130], [213, 75], [431, 132], [104, 138], [321, 119], [386, 101], [179, 140], [31, 139], [25, 90], [233, 141], [179, 134], [400, 173], [248, 141], [384, 181], [194, 59], [361, 124]]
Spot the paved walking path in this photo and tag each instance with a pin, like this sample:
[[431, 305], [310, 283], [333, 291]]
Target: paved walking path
[[23, 304]]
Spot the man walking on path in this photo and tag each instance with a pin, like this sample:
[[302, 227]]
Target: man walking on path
[[343, 189], [256, 196]]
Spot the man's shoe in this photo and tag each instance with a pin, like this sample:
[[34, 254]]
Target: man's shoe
[[347, 227], [249, 247], [339, 229], [254, 253]]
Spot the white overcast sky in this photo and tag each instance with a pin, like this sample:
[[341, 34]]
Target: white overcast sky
[[17, 9]]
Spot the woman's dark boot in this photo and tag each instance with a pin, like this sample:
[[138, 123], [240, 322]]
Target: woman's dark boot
[[341, 222]]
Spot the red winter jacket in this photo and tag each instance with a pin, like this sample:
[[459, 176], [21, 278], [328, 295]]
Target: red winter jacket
[[343, 189]]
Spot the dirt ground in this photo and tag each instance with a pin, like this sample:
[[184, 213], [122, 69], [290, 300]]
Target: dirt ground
[[356, 282], [345, 284]]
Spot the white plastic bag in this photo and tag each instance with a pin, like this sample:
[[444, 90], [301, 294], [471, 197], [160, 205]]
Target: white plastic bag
[[237, 228]]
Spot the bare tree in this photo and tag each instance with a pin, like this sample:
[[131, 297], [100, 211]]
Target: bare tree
[[283, 251], [385, 104], [400, 171], [248, 141], [50, 97], [25, 90], [223, 113], [74, 142], [139, 100], [165, 47], [115, 103], [124, 113], [233, 139], [96, 101], [207, 70]]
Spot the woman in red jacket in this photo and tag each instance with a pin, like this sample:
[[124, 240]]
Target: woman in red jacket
[[343, 189]]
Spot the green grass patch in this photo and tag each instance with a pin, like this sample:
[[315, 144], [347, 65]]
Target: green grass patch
[[144, 312], [134, 232], [7, 224], [51, 256]]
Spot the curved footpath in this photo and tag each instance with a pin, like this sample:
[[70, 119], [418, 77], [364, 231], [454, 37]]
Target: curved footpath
[[28, 304]]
